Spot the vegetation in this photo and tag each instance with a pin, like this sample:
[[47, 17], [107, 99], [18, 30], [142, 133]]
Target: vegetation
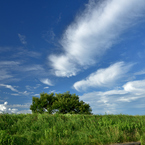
[[67, 129], [64, 103], [72, 124]]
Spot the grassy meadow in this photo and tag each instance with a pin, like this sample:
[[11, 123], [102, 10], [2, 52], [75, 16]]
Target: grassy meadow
[[60, 129]]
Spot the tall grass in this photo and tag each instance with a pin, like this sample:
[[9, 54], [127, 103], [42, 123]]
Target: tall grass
[[66, 129]]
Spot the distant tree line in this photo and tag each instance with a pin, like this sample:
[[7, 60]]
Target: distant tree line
[[64, 103]]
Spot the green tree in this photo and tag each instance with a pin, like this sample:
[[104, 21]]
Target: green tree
[[64, 103], [44, 102]]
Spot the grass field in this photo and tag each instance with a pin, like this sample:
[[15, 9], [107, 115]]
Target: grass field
[[59, 129]]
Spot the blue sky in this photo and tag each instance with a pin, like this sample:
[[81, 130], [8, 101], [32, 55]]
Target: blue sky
[[95, 49]]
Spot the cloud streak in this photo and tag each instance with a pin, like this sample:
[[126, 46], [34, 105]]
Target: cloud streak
[[92, 33], [9, 70], [46, 81], [4, 75], [142, 72], [137, 87], [117, 101], [105, 77], [5, 67], [9, 87], [22, 39]]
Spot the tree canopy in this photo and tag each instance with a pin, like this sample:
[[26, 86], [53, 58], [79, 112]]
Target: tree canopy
[[64, 103]]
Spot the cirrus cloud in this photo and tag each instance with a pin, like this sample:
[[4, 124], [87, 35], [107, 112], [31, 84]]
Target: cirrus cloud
[[104, 77], [132, 96], [22, 39], [46, 81], [93, 32], [9, 87], [137, 87]]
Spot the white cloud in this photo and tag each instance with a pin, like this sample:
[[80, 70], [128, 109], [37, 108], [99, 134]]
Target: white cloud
[[22, 39], [9, 63], [15, 90], [142, 72], [4, 49], [4, 75], [25, 53], [64, 64], [137, 87], [9, 87], [37, 86], [33, 68], [4, 108], [46, 81], [93, 32], [104, 77], [6, 65], [49, 36], [25, 92], [9, 69], [117, 101], [36, 95], [46, 87]]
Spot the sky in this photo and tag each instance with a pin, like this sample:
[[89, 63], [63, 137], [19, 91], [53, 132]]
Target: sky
[[92, 48]]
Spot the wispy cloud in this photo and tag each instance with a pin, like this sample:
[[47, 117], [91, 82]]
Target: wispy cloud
[[93, 32], [142, 72], [105, 77], [49, 36], [4, 49], [46, 81], [22, 39], [30, 88], [136, 87], [20, 52], [10, 63], [36, 95], [25, 93], [9, 87], [117, 101], [33, 68], [5, 66], [4, 75], [8, 69], [46, 87]]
